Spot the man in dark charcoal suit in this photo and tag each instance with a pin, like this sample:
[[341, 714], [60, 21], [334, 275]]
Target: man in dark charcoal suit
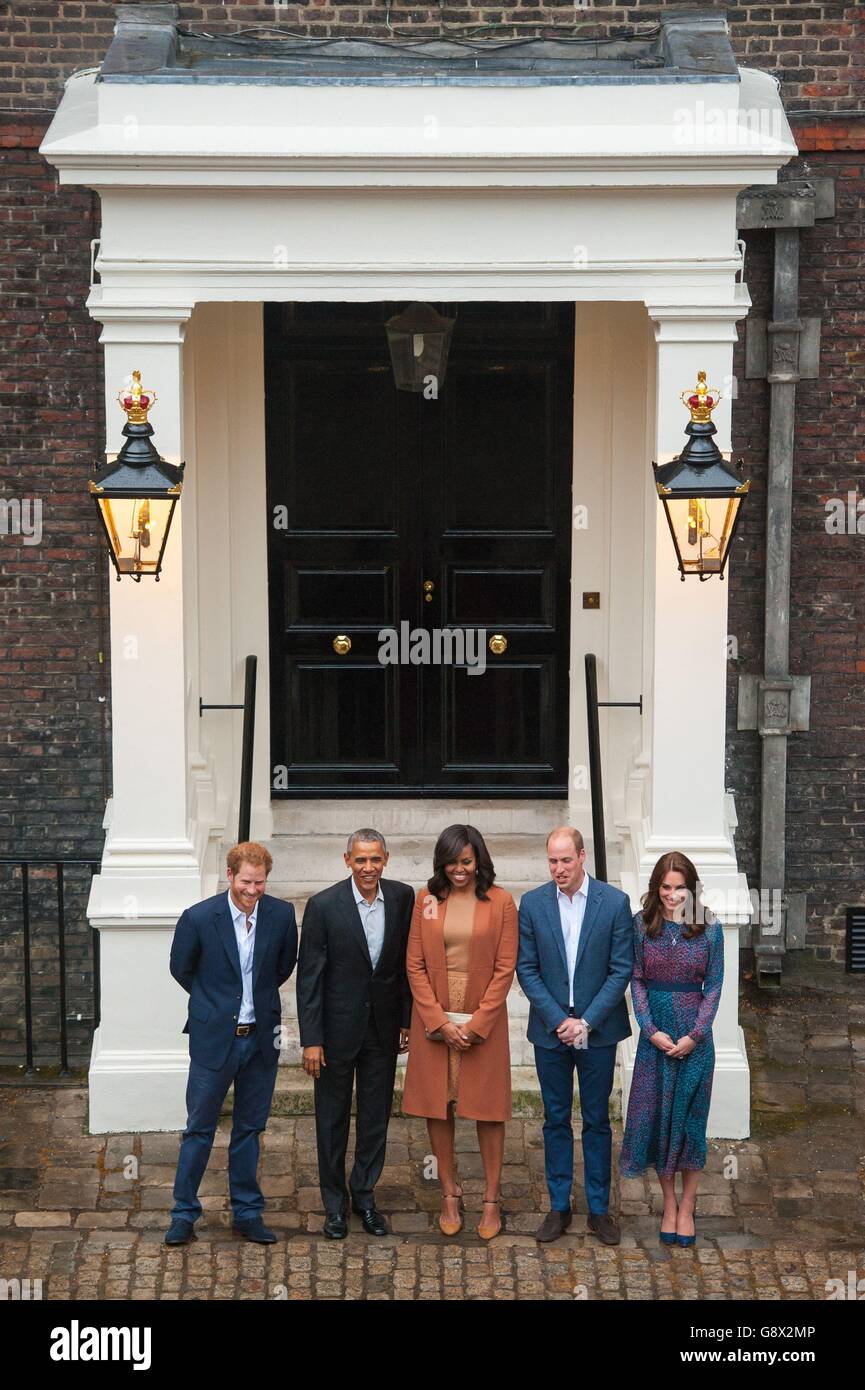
[[354, 1008], [231, 953]]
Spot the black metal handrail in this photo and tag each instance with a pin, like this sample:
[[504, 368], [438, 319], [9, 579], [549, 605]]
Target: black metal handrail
[[596, 781], [248, 745], [25, 864]]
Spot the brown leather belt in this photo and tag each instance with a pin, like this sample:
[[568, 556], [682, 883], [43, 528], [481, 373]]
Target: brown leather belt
[[243, 1030]]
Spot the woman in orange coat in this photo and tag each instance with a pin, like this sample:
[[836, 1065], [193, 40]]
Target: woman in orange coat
[[462, 953]]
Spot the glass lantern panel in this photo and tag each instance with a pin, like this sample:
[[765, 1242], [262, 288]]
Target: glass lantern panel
[[136, 527], [416, 358], [703, 527]]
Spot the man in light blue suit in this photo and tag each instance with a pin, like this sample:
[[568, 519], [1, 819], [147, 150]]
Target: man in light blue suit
[[575, 962]]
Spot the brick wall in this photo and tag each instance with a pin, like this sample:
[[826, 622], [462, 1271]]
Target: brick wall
[[53, 758], [826, 766], [53, 764]]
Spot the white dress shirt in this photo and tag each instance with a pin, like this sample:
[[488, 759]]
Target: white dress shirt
[[372, 920], [571, 914], [245, 948]]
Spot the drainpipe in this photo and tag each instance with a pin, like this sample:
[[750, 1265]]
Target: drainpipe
[[782, 352]]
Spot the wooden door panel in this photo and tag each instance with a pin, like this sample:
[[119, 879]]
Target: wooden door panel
[[505, 596], [343, 716], [484, 725], [333, 598], [495, 449]]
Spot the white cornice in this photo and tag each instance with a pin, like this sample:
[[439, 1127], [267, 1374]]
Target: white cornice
[[175, 136], [733, 170]]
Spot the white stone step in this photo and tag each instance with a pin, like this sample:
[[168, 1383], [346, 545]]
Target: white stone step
[[518, 858], [415, 816], [311, 862]]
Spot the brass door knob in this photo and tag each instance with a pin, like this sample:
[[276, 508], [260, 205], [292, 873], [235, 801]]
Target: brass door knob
[[341, 644], [498, 643], [428, 587]]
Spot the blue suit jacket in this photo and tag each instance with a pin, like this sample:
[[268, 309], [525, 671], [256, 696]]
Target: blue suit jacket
[[205, 961], [605, 959]]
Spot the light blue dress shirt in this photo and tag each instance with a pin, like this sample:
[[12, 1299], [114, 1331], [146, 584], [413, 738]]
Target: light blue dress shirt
[[245, 948], [372, 920], [571, 914]]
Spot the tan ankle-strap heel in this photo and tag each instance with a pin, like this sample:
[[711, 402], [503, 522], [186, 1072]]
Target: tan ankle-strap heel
[[452, 1228], [489, 1232]]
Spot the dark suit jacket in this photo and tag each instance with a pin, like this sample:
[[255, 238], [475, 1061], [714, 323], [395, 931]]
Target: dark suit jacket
[[605, 959], [337, 989], [205, 961]]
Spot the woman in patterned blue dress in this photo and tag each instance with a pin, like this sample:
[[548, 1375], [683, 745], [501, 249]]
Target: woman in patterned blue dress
[[676, 988]]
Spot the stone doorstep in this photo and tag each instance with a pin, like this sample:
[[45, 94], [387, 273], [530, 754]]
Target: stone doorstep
[[293, 1094], [417, 816]]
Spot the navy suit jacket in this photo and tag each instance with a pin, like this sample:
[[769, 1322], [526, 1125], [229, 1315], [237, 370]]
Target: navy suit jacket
[[205, 961], [605, 959]]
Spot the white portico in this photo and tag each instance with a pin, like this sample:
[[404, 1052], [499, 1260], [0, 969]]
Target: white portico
[[224, 189]]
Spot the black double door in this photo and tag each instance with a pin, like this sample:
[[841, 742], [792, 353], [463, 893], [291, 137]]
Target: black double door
[[394, 516]]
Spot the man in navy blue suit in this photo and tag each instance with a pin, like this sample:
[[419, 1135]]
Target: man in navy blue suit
[[575, 961], [231, 953]]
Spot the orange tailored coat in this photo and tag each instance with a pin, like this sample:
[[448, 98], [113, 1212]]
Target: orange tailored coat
[[485, 1069]]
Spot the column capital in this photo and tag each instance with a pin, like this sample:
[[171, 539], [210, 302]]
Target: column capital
[[706, 323], [159, 324]]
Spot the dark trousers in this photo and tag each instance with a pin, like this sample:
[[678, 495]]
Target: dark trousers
[[595, 1068], [205, 1092], [372, 1071]]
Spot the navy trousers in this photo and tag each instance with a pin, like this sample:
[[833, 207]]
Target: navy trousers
[[205, 1092], [595, 1069]]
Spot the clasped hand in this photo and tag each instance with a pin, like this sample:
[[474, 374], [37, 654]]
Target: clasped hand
[[665, 1043], [460, 1038], [572, 1032]]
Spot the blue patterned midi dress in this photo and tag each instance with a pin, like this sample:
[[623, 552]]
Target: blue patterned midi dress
[[675, 987]]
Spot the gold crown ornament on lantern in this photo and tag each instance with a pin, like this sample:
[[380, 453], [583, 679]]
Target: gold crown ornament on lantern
[[135, 401], [699, 402]]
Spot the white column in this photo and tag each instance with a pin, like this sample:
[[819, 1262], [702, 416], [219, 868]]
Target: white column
[[685, 805], [153, 855]]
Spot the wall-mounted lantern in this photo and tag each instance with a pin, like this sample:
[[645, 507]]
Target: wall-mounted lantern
[[702, 493], [136, 495], [419, 339]]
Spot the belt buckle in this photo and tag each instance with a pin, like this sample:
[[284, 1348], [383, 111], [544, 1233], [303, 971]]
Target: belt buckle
[[243, 1030]]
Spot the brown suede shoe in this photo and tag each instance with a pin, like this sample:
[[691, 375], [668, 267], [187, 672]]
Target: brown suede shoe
[[605, 1227], [554, 1224]]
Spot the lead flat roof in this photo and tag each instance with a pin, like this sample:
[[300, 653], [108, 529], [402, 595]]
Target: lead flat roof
[[151, 45]]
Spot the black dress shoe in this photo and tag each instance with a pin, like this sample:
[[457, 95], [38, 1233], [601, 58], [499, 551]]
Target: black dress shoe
[[605, 1227], [554, 1224], [179, 1232], [373, 1222], [335, 1226], [255, 1231]]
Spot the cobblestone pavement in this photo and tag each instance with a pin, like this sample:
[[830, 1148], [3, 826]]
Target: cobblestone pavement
[[779, 1215]]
